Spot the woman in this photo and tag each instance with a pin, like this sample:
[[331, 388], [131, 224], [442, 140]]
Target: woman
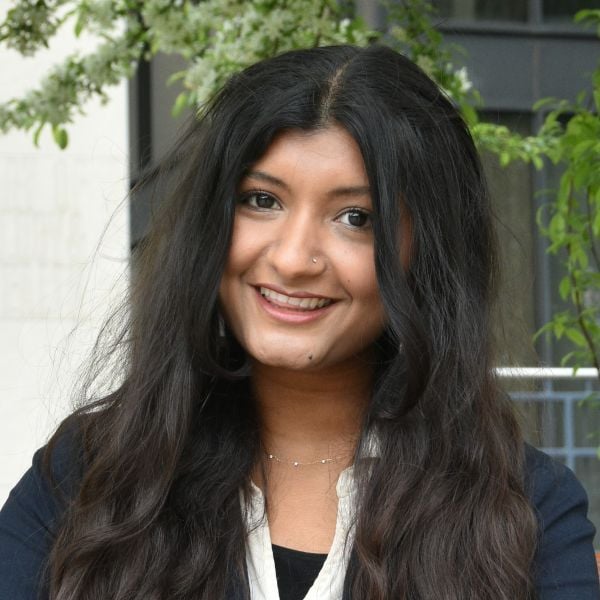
[[307, 393]]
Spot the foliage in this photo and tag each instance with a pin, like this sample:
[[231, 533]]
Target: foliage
[[571, 219], [219, 37], [215, 37], [412, 33]]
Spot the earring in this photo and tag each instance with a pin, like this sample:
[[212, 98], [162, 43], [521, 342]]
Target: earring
[[221, 326]]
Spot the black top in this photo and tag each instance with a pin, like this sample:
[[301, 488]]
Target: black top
[[296, 571], [564, 566]]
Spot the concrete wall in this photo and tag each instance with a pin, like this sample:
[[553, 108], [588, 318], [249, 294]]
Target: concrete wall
[[64, 240]]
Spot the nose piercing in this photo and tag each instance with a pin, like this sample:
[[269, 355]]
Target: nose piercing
[[314, 259]]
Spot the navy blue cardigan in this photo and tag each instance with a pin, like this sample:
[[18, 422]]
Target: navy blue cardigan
[[565, 567]]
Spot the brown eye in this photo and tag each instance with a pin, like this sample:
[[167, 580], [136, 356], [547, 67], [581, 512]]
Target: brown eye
[[260, 201], [357, 218]]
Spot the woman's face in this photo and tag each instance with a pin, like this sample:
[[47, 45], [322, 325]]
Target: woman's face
[[299, 289]]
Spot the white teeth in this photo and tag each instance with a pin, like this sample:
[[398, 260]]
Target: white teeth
[[300, 303]]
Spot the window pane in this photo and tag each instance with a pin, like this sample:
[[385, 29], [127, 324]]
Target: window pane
[[564, 10], [479, 10], [587, 469], [542, 423], [587, 424]]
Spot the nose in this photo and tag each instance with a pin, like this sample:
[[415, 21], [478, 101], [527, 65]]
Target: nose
[[297, 249]]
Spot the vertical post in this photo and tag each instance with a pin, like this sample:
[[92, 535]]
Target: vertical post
[[535, 12], [140, 145]]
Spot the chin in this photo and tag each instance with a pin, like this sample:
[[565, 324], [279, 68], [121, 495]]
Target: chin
[[294, 360]]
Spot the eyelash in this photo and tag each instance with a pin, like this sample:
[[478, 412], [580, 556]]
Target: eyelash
[[247, 196], [360, 211], [245, 199]]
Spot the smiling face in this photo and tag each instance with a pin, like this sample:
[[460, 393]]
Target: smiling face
[[299, 289]]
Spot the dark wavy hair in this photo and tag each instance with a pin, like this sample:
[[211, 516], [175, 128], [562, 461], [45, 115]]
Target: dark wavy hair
[[443, 513]]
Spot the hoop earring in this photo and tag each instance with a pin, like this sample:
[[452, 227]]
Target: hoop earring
[[231, 357]]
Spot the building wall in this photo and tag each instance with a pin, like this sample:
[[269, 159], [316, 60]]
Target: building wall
[[64, 245]]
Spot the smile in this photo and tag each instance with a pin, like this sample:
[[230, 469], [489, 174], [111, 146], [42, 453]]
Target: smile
[[293, 302]]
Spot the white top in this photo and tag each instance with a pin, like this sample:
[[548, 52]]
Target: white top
[[329, 584]]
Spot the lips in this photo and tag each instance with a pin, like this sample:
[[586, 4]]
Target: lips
[[299, 303]]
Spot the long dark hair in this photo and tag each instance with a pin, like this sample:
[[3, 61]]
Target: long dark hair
[[443, 512]]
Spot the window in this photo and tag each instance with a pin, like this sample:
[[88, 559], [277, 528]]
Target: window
[[563, 10], [482, 10]]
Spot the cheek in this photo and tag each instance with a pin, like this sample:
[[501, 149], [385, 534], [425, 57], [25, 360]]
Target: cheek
[[235, 266], [361, 283], [240, 248], [246, 247], [359, 275]]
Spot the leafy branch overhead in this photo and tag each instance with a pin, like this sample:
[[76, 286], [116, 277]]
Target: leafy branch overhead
[[215, 38], [218, 37]]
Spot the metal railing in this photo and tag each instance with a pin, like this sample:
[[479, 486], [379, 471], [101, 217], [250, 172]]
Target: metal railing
[[568, 400]]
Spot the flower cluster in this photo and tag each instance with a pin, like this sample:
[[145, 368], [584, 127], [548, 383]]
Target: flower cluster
[[220, 37], [214, 37], [66, 88]]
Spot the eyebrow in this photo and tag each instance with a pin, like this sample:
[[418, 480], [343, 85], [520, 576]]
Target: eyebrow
[[351, 190]]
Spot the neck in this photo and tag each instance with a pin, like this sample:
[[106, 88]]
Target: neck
[[307, 416]]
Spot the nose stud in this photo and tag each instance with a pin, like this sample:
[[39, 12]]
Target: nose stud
[[314, 259]]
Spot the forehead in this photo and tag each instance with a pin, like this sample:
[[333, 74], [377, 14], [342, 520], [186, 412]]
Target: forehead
[[330, 155]]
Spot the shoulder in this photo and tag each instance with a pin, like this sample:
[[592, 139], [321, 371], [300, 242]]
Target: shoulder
[[547, 480], [32, 514], [555, 492], [565, 564]]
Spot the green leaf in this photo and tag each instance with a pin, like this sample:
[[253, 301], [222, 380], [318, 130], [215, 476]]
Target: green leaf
[[469, 114], [79, 25], [564, 288], [543, 102], [178, 75], [580, 256], [582, 147], [557, 226], [576, 336], [180, 104], [566, 359], [596, 224], [37, 133], [60, 136], [587, 14]]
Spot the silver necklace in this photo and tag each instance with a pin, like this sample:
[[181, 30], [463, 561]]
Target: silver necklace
[[297, 463]]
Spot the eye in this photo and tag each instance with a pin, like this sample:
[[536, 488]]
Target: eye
[[356, 218], [260, 201]]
